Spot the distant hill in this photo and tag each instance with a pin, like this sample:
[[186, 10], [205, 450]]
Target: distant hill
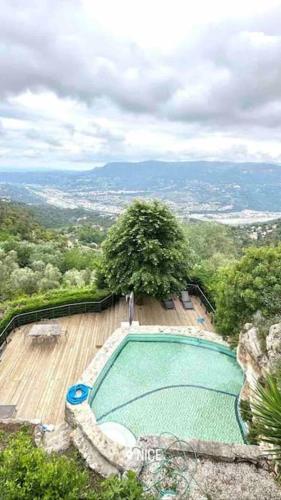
[[204, 184], [138, 174], [149, 174]]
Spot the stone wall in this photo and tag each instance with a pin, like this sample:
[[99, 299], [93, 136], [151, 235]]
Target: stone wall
[[256, 360]]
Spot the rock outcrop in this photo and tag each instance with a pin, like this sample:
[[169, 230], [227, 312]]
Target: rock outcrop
[[258, 360], [273, 345]]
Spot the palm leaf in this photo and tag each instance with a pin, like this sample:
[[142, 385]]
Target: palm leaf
[[267, 414]]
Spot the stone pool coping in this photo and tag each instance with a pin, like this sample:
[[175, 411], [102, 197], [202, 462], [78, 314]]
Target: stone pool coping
[[124, 458]]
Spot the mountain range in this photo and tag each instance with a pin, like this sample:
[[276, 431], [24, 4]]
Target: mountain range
[[206, 185]]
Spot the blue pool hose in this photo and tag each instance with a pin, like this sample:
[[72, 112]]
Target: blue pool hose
[[78, 393]]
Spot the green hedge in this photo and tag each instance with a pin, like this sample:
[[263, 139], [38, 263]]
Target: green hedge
[[48, 300]]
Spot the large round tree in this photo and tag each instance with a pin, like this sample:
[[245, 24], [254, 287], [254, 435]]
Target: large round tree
[[146, 252]]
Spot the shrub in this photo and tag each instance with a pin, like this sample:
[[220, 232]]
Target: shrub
[[127, 488], [267, 414], [247, 415], [245, 409], [28, 473], [78, 258], [47, 300]]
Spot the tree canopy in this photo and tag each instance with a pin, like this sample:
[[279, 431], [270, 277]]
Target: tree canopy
[[214, 246], [146, 251], [252, 284]]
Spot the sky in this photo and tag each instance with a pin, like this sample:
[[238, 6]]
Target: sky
[[86, 82]]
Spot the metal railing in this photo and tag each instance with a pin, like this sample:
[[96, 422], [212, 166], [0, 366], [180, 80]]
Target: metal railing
[[55, 312], [82, 307], [195, 289]]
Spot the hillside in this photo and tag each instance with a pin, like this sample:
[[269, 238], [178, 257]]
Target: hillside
[[35, 258], [18, 221]]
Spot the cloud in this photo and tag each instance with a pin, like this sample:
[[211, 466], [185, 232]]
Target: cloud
[[35, 135], [63, 53], [220, 78], [2, 129], [229, 73]]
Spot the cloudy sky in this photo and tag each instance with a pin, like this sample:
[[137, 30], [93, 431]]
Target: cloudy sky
[[84, 82]]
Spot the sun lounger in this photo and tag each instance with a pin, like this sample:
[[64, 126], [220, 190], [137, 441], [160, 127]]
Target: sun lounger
[[186, 300], [187, 305], [168, 303], [185, 297]]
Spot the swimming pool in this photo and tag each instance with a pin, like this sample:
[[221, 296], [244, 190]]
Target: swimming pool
[[154, 384]]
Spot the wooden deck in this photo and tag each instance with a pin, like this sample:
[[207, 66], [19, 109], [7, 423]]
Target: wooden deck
[[35, 377]]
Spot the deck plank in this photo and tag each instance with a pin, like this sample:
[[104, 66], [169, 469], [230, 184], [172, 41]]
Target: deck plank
[[35, 377]]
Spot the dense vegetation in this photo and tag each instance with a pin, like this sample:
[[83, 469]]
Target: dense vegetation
[[35, 260], [239, 267], [146, 252], [28, 473], [57, 218], [213, 246], [17, 221], [251, 284]]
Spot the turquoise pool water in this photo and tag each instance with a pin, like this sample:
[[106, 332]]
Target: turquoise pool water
[[156, 384]]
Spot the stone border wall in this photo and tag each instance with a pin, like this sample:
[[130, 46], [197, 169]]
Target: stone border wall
[[222, 452]]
